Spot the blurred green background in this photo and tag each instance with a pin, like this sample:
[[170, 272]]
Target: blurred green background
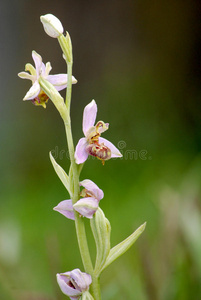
[[140, 61]]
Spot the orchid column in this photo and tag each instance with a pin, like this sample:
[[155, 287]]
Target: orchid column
[[85, 195]]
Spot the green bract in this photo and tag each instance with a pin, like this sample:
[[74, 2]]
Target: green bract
[[122, 247], [61, 173], [101, 230]]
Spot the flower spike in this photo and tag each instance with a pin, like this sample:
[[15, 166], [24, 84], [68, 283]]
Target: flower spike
[[84, 202]]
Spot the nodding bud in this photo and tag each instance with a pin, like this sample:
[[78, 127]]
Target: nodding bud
[[52, 25]]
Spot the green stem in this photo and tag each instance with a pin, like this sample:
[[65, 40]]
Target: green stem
[[75, 188], [69, 85], [64, 110]]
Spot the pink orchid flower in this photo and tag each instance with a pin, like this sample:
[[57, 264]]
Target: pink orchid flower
[[35, 93], [86, 206], [74, 283], [93, 144]]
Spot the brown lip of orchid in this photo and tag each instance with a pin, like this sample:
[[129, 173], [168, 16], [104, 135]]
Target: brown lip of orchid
[[94, 148], [93, 144]]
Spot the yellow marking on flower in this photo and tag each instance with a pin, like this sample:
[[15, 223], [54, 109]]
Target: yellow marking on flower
[[41, 99]]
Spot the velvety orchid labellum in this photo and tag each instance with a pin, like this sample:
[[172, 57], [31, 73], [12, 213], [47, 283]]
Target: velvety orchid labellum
[[35, 93], [86, 206], [52, 25], [93, 144], [74, 283]]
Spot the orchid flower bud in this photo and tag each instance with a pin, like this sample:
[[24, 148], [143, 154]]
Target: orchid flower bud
[[52, 25], [74, 283]]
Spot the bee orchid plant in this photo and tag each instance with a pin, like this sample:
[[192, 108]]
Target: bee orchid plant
[[85, 203]]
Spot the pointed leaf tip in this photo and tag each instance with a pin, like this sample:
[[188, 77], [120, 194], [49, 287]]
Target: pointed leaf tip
[[122, 247], [61, 173]]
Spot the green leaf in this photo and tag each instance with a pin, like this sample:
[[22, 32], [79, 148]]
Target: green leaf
[[61, 173], [122, 247], [101, 230]]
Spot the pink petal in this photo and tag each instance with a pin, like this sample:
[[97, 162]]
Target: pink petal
[[65, 288], [80, 151], [33, 91], [38, 62], [86, 206], [82, 280], [92, 187], [65, 208], [42, 70], [89, 116], [60, 81], [114, 150]]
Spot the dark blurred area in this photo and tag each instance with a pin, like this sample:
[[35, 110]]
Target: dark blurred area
[[140, 61]]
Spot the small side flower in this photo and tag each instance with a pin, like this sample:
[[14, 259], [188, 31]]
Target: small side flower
[[74, 283], [86, 206]]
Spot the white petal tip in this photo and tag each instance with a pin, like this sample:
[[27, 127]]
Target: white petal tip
[[74, 80]]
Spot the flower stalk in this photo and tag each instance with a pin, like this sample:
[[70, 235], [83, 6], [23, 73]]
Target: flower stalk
[[75, 188]]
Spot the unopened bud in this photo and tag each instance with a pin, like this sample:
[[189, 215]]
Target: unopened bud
[[52, 25]]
